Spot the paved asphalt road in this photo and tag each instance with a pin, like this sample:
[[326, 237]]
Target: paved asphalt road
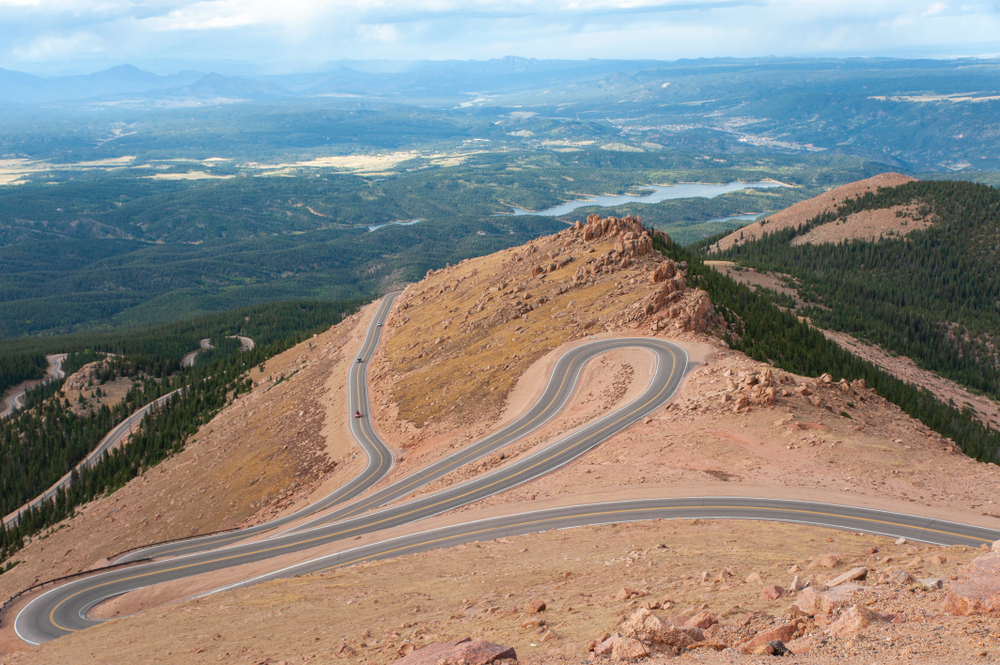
[[15, 401], [110, 440], [380, 460], [64, 608]]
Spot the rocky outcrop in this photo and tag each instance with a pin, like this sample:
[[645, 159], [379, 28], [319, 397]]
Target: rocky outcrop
[[853, 620], [977, 589], [673, 305], [750, 388], [644, 626], [85, 377], [459, 652]]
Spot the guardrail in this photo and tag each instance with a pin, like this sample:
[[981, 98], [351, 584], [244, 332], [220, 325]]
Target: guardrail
[[39, 585], [176, 540]]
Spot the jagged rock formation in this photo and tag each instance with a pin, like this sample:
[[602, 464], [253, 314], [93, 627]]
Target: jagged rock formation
[[687, 309], [85, 377], [468, 330]]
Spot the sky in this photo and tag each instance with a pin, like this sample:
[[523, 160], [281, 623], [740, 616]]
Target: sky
[[279, 36]]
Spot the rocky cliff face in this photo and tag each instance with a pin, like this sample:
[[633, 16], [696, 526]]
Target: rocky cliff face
[[451, 333], [673, 304]]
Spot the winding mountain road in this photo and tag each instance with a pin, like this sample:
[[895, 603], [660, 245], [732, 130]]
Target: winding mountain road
[[64, 609], [380, 459], [15, 400], [112, 438]]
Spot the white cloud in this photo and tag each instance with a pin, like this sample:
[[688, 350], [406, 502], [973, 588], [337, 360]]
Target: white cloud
[[54, 47], [39, 30], [379, 33]]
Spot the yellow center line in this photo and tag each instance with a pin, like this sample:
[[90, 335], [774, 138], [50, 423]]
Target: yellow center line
[[364, 350], [471, 453], [309, 540], [673, 370], [629, 511]]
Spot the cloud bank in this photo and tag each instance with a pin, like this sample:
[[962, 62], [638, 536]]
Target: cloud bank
[[303, 33]]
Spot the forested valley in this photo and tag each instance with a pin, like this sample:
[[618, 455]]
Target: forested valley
[[932, 295]]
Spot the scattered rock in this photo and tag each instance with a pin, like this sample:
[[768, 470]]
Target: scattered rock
[[931, 582], [459, 652]]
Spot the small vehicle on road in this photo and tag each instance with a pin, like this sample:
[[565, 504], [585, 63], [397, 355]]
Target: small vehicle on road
[[357, 414], [359, 359], [379, 324]]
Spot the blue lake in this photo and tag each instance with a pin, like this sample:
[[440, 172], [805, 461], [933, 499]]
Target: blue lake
[[376, 227], [748, 217], [660, 193]]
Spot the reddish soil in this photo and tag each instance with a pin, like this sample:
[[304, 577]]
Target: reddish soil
[[805, 210]]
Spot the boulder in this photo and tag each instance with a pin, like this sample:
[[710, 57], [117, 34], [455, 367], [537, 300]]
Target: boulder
[[783, 633], [829, 560], [901, 577], [977, 589], [853, 620], [696, 634], [814, 602], [772, 592], [859, 573], [534, 606], [644, 626], [626, 648], [703, 620], [463, 651], [604, 647]]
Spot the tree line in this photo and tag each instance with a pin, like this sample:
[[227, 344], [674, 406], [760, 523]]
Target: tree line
[[769, 334], [932, 295], [47, 441]]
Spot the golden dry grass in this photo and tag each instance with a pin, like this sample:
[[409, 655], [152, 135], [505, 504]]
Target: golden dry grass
[[456, 346]]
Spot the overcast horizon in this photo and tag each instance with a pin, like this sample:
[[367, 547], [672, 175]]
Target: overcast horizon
[[52, 37]]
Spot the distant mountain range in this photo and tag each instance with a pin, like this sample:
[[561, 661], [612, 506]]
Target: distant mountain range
[[126, 80]]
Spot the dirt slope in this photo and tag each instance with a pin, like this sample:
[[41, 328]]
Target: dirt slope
[[866, 225], [737, 427], [459, 340], [589, 579], [267, 452]]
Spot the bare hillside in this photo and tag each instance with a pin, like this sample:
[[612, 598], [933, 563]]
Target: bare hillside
[[860, 226], [270, 450], [465, 350]]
